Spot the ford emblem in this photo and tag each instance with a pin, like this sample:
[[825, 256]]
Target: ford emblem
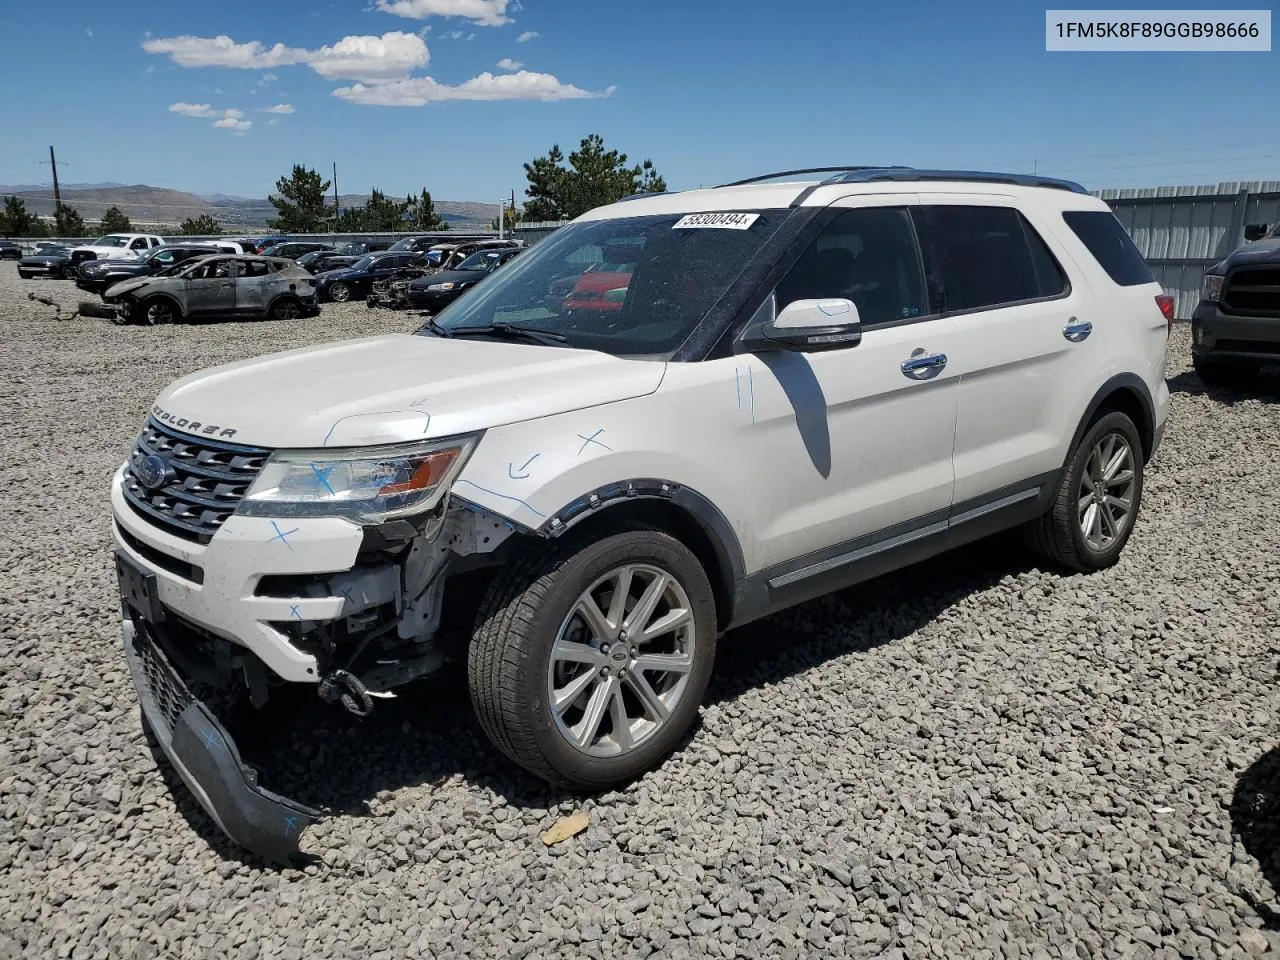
[[152, 471]]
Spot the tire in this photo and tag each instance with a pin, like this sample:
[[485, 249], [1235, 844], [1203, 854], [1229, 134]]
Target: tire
[[1059, 536], [156, 311], [286, 308], [534, 604], [1219, 373], [340, 292]]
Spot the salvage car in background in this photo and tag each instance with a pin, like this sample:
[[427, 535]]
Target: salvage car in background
[[435, 292], [1235, 329], [10, 250], [96, 276], [356, 281], [293, 249], [52, 262], [317, 261], [218, 286], [116, 246]]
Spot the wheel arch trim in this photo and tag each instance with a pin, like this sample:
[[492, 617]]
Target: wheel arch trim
[[1133, 385]]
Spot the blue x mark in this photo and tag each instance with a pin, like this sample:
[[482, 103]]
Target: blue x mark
[[323, 476], [290, 825], [208, 736], [282, 535], [293, 611], [346, 592], [592, 439]]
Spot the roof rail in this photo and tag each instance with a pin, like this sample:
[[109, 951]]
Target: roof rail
[[637, 196], [868, 174], [847, 168], [962, 176]]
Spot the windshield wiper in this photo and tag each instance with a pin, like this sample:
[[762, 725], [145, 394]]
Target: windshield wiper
[[437, 328], [512, 331]]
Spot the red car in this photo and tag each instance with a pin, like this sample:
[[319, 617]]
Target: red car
[[599, 289]]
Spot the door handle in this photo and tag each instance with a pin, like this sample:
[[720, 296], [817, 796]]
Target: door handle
[[1077, 330], [925, 366]]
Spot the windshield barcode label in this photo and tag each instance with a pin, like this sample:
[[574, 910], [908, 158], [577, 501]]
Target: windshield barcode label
[[719, 221]]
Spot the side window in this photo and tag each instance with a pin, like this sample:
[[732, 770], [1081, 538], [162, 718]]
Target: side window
[[1101, 232], [868, 256], [164, 257], [991, 256], [139, 244]]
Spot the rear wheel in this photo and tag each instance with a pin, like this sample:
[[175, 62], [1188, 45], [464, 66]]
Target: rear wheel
[[1098, 499], [339, 292], [588, 666], [286, 308]]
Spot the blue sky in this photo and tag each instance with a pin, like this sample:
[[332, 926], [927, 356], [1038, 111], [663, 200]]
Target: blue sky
[[146, 92]]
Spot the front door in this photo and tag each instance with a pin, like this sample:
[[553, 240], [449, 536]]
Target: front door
[[853, 447], [211, 288]]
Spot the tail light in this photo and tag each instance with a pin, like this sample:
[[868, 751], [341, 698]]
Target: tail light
[[1166, 305]]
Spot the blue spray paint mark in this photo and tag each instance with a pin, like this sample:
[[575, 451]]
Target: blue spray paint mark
[[290, 826], [282, 535], [586, 441], [737, 383], [346, 592], [418, 403], [751, 388], [293, 611], [503, 496], [520, 476], [323, 476], [208, 736]]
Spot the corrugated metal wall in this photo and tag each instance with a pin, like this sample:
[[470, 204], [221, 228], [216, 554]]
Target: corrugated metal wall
[[1180, 230], [1183, 230]]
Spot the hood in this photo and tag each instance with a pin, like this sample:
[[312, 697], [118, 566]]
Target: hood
[[1260, 251], [339, 273], [126, 286], [43, 259], [448, 276], [398, 388]]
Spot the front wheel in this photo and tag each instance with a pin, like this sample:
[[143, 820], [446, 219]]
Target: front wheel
[[1097, 501], [157, 311], [588, 666]]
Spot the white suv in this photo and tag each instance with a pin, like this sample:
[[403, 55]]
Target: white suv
[[673, 416], [116, 246]]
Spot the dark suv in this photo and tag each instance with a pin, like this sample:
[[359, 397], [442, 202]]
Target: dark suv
[[97, 275], [293, 249], [1235, 330]]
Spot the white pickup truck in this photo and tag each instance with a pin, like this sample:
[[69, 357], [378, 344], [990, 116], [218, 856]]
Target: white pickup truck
[[116, 246]]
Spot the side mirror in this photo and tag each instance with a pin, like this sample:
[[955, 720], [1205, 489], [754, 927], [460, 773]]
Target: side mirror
[[1255, 231], [808, 326]]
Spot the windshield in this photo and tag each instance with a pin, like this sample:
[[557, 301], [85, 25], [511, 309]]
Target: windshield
[[406, 243], [352, 249], [364, 263], [478, 261], [632, 287], [111, 241]]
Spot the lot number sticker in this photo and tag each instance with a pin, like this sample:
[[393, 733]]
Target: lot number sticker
[[716, 221]]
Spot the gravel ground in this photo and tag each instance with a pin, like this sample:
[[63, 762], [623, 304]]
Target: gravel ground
[[969, 759]]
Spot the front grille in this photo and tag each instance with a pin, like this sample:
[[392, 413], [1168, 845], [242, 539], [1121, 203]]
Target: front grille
[[165, 686], [206, 480], [1252, 291]]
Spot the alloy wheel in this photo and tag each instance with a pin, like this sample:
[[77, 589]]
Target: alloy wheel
[[339, 293], [1105, 497], [621, 660]]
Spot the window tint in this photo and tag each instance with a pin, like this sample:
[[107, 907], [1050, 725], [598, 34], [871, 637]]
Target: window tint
[[868, 256], [991, 256], [1101, 232]]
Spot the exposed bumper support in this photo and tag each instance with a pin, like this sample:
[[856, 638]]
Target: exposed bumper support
[[204, 754]]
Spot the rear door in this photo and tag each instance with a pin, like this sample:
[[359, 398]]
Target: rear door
[[253, 286], [1027, 341]]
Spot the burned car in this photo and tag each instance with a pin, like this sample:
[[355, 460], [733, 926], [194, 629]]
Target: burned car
[[244, 286]]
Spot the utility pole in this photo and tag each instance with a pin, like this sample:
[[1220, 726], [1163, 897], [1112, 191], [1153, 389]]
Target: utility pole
[[502, 204], [336, 209], [57, 194]]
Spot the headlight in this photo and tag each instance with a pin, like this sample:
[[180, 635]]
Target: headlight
[[368, 485], [441, 286], [1212, 287]]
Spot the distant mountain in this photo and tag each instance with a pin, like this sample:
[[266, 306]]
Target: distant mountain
[[36, 187], [158, 206]]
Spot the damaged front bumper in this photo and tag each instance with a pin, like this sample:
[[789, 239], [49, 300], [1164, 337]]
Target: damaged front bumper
[[196, 744]]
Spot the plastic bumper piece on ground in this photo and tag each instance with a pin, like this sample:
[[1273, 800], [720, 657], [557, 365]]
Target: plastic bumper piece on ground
[[206, 757]]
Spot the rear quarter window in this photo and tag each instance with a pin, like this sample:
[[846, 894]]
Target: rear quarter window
[[1107, 241]]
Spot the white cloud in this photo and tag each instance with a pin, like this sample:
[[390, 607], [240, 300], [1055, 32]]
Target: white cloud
[[267, 79], [273, 122], [231, 123], [222, 51], [151, 69], [456, 35], [88, 32], [486, 13], [417, 91], [527, 36], [194, 110], [277, 108], [506, 63], [391, 56]]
